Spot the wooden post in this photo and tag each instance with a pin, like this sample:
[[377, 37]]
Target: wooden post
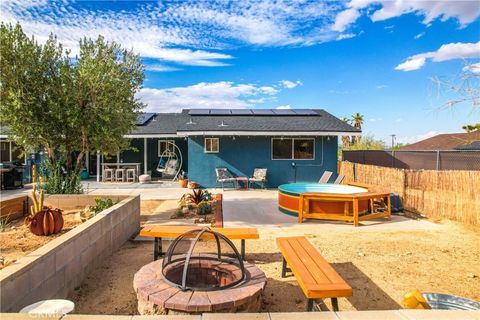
[[300, 209], [10, 147], [355, 212], [389, 208]]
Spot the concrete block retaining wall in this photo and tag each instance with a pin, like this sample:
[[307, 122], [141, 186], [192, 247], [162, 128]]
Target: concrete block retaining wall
[[57, 268]]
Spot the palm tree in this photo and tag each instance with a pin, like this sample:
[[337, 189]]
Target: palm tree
[[468, 127], [346, 139], [357, 119]]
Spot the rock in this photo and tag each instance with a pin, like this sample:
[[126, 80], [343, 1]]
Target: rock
[[361, 254], [471, 275], [408, 253], [2, 261], [201, 220]]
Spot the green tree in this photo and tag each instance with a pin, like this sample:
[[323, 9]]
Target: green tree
[[67, 106], [471, 127], [346, 139], [367, 143], [357, 119]]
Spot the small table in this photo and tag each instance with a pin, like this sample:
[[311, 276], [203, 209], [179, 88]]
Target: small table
[[54, 306], [243, 180]]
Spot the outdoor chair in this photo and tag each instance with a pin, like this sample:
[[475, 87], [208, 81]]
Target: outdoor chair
[[108, 174], [131, 174], [120, 175], [339, 179], [224, 176], [325, 177], [259, 176]]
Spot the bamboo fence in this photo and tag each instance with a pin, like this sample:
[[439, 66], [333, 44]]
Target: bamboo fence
[[453, 195]]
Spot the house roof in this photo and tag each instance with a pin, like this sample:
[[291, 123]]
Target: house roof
[[448, 141], [247, 121]]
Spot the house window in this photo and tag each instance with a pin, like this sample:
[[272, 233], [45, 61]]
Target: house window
[[212, 145], [293, 149], [166, 147]]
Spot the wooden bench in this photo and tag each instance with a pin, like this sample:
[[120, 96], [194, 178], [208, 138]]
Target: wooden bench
[[314, 274], [163, 231]]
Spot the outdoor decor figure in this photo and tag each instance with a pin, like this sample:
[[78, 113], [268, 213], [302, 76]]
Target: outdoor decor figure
[[43, 220]]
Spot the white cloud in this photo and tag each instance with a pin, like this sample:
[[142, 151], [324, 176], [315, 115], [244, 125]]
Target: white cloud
[[345, 18], [345, 36], [381, 86], [223, 94], [464, 11], [446, 52], [290, 84], [287, 106], [157, 30], [160, 68], [418, 36], [375, 119], [473, 68], [416, 138]]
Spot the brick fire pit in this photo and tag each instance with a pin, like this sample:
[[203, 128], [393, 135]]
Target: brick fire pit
[[156, 296]]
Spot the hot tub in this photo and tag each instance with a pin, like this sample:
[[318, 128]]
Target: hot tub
[[289, 196]]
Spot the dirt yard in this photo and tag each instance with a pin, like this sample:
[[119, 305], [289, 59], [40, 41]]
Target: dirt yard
[[17, 241], [380, 267]]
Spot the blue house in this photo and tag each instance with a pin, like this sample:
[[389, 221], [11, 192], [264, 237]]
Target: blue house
[[295, 145]]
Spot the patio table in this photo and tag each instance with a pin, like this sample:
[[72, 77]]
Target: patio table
[[242, 180], [121, 164]]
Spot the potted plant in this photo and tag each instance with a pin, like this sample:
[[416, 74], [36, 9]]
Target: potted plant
[[182, 179]]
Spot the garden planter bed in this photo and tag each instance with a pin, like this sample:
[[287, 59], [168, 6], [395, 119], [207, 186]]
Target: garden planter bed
[[17, 240], [60, 265], [213, 219]]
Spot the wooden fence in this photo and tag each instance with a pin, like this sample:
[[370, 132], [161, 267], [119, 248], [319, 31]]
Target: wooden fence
[[438, 194]]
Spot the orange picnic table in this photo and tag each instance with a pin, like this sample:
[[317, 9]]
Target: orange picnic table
[[164, 231]]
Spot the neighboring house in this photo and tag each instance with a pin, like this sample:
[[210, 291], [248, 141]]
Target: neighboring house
[[447, 141], [295, 145]]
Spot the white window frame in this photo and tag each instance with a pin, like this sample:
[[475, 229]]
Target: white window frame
[[205, 145], [172, 146], [293, 149]]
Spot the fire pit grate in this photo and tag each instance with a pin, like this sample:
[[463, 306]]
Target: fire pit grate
[[203, 260]]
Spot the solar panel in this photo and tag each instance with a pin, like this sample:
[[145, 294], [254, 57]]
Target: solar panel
[[241, 112], [305, 112], [144, 118], [199, 112], [262, 112], [284, 112], [220, 112]]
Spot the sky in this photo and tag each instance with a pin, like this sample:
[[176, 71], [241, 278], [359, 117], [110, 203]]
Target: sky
[[378, 58]]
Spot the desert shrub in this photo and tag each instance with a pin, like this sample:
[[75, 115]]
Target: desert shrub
[[204, 208]]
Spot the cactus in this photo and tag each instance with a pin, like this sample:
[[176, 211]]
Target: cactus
[[43, 220]]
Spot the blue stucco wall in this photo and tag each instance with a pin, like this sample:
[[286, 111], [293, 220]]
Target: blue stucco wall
[[242, 155], [152, 153]]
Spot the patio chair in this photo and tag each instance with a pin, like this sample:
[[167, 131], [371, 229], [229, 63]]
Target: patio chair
[[325, 177], [108, 174], [259, 176], [339, 179], [224, 176]]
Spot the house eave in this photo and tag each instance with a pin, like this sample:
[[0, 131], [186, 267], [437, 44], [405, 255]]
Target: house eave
[[267, 133], [153, 135]]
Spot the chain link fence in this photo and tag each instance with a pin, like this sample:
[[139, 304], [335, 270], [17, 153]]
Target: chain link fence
[[426, 160]]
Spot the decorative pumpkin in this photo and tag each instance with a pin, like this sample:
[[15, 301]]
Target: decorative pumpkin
[[43, 221]]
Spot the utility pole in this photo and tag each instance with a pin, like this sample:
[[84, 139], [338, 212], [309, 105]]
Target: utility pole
[[393, 140]]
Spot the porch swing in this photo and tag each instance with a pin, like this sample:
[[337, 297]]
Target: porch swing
[[170, 162]]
